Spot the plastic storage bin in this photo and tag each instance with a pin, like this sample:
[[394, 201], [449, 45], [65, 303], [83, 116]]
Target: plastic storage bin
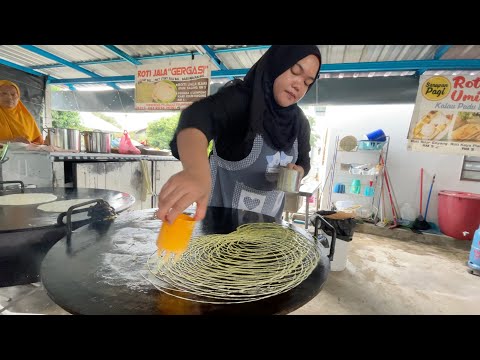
[[474, 259], [458, 213], [370, 145]]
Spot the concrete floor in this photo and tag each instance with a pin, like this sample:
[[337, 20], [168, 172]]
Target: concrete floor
[[389, 276], [383, 276], [27, 299]]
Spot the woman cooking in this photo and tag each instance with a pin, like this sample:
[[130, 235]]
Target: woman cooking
[[16, 122], [256, 126]]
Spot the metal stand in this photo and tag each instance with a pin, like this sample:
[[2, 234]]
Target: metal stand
[[381, 159], [1, 176]]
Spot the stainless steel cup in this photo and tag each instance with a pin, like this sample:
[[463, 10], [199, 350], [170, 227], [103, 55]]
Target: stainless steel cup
[[288, 180], [97, 141]]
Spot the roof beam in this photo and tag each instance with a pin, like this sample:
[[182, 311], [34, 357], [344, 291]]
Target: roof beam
[[153, 57], [407, 65], [438, 54], [382, 66], [123, 54], [131, 78], [58, 59], [96, 80], [245, 48], [109, 61], [211, 54], [441, 51], [22, 68]]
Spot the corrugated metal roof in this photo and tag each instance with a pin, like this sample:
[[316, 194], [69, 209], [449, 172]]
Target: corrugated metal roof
[[72, 62], [463, 52]]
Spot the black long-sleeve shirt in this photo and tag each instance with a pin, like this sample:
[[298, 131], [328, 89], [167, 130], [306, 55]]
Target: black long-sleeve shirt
[[227, 123]]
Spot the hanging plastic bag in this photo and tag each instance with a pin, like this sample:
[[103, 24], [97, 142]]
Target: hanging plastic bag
[[126, 146]]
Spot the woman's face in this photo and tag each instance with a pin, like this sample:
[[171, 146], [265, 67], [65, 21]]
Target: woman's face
[[290, 86], [8, 96]]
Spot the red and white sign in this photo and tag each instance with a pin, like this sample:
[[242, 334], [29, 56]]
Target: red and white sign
[[446, 118], [172, 84]]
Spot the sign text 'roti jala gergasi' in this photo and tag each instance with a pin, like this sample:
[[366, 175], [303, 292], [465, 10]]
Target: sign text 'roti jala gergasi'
[[172, 84], [446, 117]]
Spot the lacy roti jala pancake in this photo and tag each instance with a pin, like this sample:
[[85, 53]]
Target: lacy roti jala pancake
[[432, 126]]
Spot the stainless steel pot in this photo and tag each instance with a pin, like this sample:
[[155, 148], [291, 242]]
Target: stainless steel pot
[[97, 141], [68, 139], [288, 180]]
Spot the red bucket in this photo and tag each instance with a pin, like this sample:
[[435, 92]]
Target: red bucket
[[458, 213]]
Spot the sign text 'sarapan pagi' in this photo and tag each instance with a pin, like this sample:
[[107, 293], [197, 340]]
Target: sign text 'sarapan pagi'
[[173, 71]]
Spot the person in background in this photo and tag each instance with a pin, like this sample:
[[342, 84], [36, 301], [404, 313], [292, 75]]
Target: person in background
[[256, 127], [16, 122]]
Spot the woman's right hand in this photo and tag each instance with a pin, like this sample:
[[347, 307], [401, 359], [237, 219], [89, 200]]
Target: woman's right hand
[[182, 190]]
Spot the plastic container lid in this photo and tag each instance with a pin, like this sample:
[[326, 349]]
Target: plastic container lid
[[460, 194]]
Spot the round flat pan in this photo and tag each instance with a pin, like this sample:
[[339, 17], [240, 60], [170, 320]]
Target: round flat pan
[[28, 217], [26, 234], [100, 270]]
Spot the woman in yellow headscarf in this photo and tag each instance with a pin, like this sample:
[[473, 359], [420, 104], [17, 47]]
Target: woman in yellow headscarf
[[16, 122]]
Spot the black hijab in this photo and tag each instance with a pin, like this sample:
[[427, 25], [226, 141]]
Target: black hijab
[[281, 124]]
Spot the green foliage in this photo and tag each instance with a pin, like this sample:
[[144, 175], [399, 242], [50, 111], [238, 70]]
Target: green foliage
[[108, 119], [160, 132], [67, 120], [54, 88], [313, 137]]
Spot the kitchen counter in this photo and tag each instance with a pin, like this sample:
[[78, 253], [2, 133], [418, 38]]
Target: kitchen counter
[[110, 171], [69, 156]]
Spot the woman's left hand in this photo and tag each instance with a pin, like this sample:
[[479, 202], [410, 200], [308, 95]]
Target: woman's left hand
[[297, 168]]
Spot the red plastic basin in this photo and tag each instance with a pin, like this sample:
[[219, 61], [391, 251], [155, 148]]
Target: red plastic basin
[[458, 213]]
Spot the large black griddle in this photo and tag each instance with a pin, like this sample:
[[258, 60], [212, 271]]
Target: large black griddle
[[26, 233], [99, 270], [28, 217]]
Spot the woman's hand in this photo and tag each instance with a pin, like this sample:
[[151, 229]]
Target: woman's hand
[[297, 168], [190, 185], [182, 190]]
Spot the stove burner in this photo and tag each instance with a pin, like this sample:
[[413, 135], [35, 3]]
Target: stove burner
[[100, 212]]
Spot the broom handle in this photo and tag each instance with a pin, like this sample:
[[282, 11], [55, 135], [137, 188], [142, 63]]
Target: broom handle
[[428, 200], [421, 190], [394, 213]]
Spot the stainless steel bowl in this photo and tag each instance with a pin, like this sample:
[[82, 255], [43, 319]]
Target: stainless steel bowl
[[97, 141]]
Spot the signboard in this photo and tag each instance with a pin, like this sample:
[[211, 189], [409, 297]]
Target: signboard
[[446, 117], [172, 84]]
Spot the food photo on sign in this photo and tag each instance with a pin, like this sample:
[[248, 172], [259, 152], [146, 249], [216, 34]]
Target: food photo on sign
[[171, 84]]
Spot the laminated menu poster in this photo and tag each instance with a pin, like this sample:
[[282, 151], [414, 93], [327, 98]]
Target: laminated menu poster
[[171, 84], [446, 117]]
